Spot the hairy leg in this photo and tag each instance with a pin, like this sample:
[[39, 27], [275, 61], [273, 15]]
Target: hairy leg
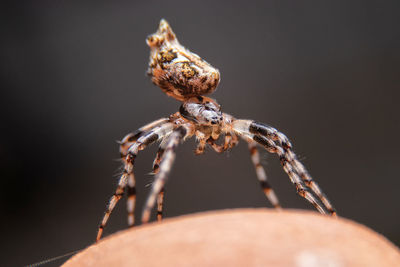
[[262, 176], [142, 142], [165, 167], [280, 138], [127, 142], [156, 168], [276, 142], [131, 138]]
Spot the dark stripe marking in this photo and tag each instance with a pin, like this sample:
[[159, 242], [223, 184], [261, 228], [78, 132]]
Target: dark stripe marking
[[130, 158], [260, 128], [160, 151], [186, 114], [135, 136], [156, 167], [265, 185], [253, 150], [182, 131], [119, 195], [262, 141], [150, 138], [131, 191]]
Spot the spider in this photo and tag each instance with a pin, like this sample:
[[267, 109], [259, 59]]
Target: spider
[[186, 77]]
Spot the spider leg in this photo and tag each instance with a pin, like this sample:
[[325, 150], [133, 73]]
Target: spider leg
[[201, 146], [142, 142], [229, 142], [262, 176], [126, 142], [156, 168], [131, 138], [165, 166], [265, 136], [217, 148], [160, 204], [262, 129], [131, 200]]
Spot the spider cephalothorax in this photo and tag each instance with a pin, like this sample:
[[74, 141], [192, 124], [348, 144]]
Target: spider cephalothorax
[[186, 77]]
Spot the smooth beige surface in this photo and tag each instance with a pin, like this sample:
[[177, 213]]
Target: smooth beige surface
[[244, 237]]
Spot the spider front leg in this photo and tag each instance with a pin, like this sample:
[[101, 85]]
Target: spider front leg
[[142, 142], [267, 131], [266, 136], [166, 163]]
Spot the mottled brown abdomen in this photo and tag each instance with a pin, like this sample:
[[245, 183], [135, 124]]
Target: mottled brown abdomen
[[178, 72]]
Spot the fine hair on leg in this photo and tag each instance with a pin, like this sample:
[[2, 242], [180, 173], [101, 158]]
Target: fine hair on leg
[[142, 142], [131, 138], [262, 176], [165, 167], [268, 131], [156, 168], [276, 142]]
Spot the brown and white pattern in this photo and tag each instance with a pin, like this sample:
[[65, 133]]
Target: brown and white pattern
[[186, 77]]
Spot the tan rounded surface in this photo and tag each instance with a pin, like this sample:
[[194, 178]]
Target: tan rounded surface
[[243, 237]]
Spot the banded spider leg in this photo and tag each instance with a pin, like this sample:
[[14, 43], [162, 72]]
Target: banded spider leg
[[266, 137], [167, 159], [231, 140], [127, 142], [262, 176], [156, 169], [158, 132], [164, 146]]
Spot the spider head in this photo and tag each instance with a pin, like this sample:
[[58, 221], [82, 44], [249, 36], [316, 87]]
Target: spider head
[[178, 72]]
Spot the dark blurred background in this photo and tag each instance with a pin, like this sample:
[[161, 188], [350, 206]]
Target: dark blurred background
[[73, 82]]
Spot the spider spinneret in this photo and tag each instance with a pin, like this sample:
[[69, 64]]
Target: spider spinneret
[[186, 77]]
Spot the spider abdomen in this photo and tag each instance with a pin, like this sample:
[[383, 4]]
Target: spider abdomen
[[178, 72]]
